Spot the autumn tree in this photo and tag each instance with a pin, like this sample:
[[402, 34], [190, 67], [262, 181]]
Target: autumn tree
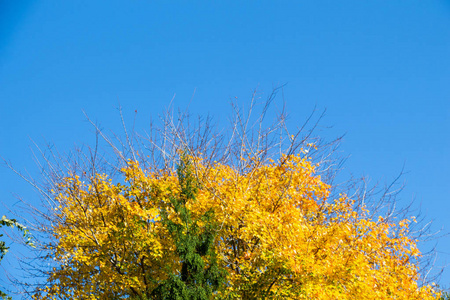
[[187, 212]]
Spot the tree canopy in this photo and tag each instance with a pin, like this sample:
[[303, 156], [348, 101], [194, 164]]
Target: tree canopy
[[272, 230], [199, 215]]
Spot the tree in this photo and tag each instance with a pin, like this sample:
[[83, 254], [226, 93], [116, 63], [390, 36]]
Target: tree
[[4, 249], [188, 213], [192, 245], [279, 236], [445, 296]]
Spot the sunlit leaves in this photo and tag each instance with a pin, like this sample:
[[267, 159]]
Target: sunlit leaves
[[277, 233]]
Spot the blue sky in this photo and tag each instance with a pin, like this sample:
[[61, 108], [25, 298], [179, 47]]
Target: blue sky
[[381, 69]]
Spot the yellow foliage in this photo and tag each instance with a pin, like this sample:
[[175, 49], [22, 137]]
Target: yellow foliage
[[279, 236]]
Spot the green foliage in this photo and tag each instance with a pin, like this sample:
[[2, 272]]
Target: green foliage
[[200, 274], [4, 249], [445, 296]]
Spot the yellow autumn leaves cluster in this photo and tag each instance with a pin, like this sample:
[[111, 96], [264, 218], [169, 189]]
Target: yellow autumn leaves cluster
[[279, 235]]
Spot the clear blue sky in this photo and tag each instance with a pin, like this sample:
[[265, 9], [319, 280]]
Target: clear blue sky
[[380, 68]]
